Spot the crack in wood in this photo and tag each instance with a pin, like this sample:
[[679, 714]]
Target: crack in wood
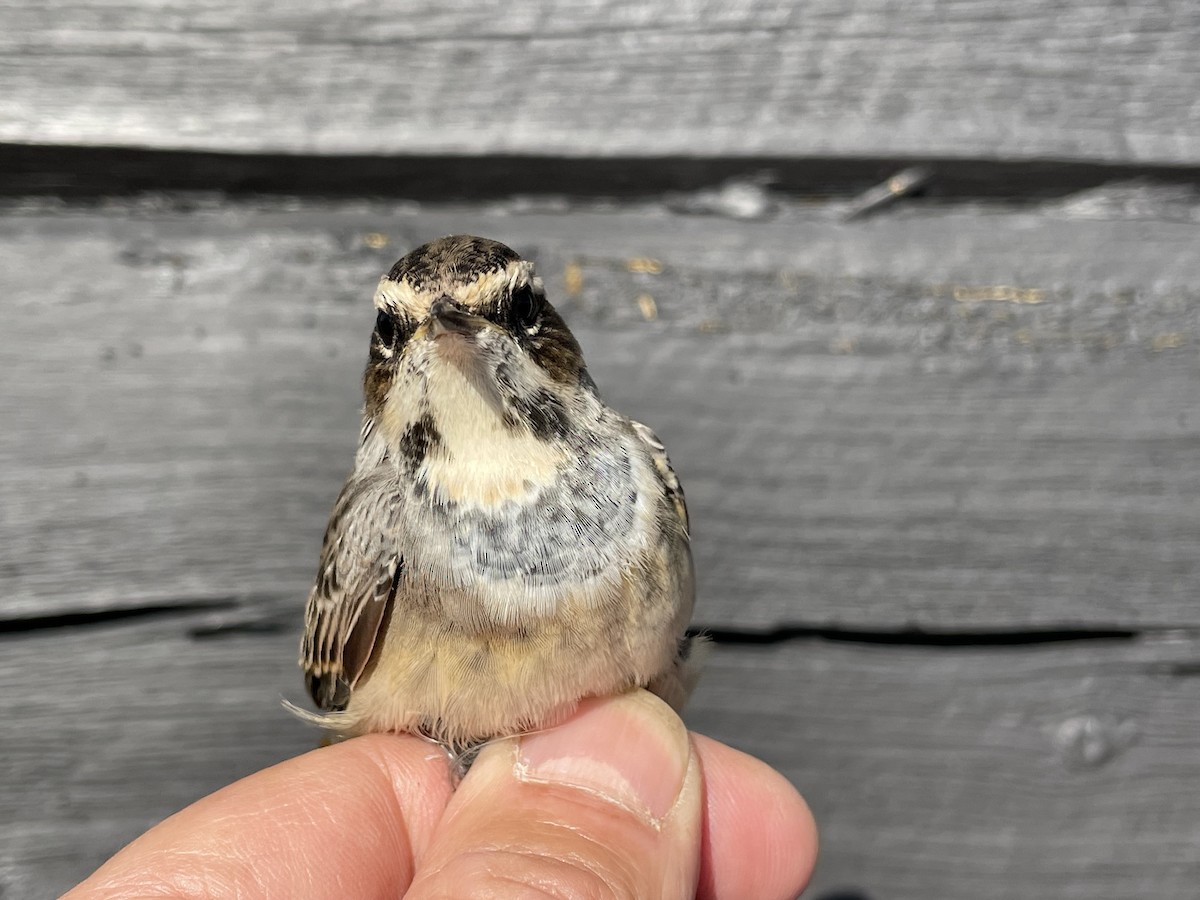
[[94, 172], [93, 617], [240, 621], [915, 637]]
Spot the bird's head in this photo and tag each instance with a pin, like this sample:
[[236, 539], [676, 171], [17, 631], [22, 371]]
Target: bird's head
[[465, 343]]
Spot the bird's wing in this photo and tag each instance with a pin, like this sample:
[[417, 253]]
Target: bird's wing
[[360, 569], [670, 481]]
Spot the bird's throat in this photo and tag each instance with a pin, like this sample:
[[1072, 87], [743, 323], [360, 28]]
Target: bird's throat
[[470, 452]]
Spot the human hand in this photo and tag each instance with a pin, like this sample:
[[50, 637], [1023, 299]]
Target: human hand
[[616, 802]]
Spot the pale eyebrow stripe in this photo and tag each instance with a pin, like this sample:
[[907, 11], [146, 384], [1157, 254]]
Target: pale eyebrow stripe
[[399, 297]]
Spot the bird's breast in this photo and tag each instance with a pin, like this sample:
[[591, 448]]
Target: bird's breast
[[508, 520], [566, 528]]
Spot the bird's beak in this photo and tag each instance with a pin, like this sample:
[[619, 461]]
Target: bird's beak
[[454, 329], [447, 317]]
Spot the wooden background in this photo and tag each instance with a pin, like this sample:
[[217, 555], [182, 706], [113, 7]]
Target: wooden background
[[943, 460]]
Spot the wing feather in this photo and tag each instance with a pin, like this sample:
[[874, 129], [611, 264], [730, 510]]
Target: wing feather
[[663, 464], [355, 585]]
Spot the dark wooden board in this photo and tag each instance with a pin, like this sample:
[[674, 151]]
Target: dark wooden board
[[952, 420], [1055, 771], [955, 78]]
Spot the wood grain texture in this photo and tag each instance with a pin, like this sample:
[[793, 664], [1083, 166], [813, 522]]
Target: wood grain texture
[[954, 78], [998, 773], [114, 729], [871, 432], [1059, 771]]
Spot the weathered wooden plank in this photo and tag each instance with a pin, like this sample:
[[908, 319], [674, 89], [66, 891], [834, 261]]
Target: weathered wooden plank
[[954, 78], [113, 729], [873, 429], [1059, 770], [1056, 771]]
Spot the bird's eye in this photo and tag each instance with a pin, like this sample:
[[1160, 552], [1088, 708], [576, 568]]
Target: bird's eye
[[526, 307], [385, 327]]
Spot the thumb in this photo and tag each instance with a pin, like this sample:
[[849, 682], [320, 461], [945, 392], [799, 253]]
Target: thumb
[[606, 805]]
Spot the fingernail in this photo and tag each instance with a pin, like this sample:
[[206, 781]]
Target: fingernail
[[631, 750]]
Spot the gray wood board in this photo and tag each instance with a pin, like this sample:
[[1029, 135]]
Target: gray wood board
[[954, 78], [1052, 771], [959, 420], [1061, 772]]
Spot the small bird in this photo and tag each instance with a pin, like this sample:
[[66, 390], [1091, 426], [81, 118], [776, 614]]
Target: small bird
[[507, 544]]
